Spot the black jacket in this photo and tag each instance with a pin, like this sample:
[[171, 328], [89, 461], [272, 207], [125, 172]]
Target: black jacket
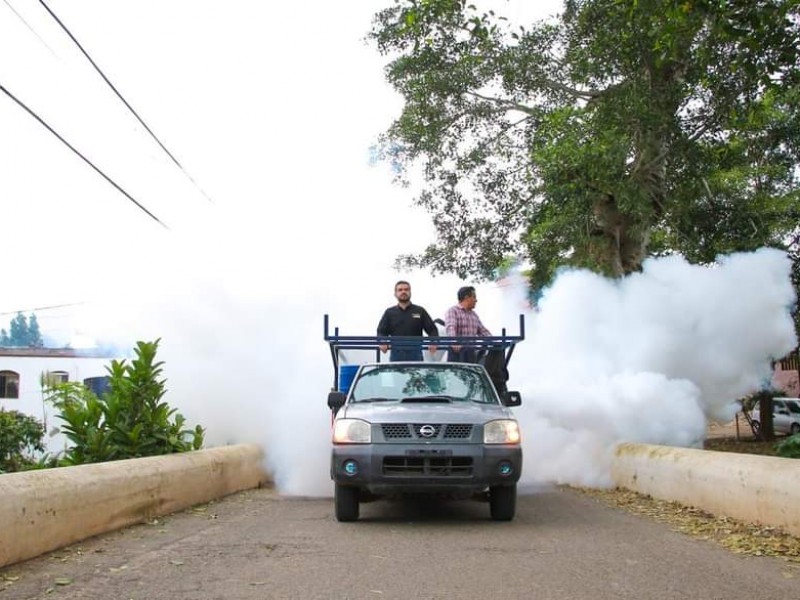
[[412, 320]]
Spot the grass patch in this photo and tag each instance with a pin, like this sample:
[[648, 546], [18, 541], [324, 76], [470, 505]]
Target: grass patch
[[742, 446]]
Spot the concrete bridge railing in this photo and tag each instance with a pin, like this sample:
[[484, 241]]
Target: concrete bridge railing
[[44, 510], [750, 488]]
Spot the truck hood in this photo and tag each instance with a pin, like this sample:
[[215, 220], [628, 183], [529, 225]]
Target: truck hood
[[428, 412]]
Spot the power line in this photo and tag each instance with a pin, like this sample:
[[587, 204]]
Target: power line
[[90, 163], [125, 102], [52, 306], [19, 16]]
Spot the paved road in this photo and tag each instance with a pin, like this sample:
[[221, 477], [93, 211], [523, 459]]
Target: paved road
[[563, 545]]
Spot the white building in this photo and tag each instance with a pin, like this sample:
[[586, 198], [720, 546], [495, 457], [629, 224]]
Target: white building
[[21, 371]]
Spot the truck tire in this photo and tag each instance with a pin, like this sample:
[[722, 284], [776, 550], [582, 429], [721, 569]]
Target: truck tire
[[346, 502], [503, 502]]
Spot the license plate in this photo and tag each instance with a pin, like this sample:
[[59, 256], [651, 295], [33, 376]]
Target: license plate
[[429, 452]]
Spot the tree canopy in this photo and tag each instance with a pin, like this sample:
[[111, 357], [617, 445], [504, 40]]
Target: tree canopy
[[617, 130], [24, 332]]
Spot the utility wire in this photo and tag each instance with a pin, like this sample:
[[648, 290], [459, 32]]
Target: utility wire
[[29, 310], [19, 16], [125, 102], [90, 163]]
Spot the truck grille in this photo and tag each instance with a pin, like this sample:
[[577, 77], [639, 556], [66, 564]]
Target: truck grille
[[410, 431], [458, 431], [425, 466], [396, 431]]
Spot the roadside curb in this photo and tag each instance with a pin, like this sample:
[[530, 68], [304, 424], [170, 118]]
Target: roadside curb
[[750, 488], [44, 510], [47, 509]]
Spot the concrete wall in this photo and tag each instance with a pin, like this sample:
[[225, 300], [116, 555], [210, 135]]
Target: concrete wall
[[788, 380], [754, 489], [44, 510]]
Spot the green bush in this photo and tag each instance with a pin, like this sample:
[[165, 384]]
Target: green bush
[[790, 447], [20, 437], [130, 420]]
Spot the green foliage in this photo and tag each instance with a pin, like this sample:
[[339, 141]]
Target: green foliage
[[794, 254], [20, 437], [131, 419], [34, 334], [24, 332], [790, 447], [618, 130]]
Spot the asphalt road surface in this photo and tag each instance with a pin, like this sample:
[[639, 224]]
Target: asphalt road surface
[[562, 545]]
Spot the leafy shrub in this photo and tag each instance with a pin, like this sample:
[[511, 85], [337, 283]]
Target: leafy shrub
[[20, 437], [130, 420], [790, 447]]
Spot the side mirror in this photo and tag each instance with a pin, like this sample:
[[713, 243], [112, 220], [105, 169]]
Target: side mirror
[[336, 400], [511, 398]]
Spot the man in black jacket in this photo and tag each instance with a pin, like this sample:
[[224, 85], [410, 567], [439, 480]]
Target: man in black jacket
[[405, 319]]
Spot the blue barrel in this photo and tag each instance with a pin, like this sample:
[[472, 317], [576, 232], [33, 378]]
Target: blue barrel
[[346, 375]]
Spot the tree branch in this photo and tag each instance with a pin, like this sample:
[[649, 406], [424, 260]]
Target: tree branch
[[557, 85], [509, 104], [504, 130]]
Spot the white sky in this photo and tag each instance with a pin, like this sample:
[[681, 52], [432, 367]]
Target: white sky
[[272, 108]]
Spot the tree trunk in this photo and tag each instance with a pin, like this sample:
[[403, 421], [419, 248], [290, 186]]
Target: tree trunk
[[765, 418], [620, 242]]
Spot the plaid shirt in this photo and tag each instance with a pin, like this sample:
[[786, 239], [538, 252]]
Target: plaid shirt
[[461, 322]]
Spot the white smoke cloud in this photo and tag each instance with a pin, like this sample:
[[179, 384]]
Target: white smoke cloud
[[241, 327], [650, 358]]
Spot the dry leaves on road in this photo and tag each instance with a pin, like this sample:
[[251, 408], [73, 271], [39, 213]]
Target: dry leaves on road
[[738, 537]]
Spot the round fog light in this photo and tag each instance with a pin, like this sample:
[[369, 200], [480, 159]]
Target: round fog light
[[506, 468], [350, 467]]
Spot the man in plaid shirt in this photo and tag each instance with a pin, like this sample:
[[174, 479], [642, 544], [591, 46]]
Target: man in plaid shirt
[[462, 320]]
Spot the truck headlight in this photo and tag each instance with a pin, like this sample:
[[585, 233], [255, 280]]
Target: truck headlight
[[351, 431], [503, 431]]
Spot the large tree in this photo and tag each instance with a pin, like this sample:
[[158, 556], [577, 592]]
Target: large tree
[[616, 130], [24, 332]]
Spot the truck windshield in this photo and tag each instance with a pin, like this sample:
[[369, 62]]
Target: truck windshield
[[440, 383]]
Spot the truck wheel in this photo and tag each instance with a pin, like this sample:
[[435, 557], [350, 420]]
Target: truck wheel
[[795, 429], [346, 501], [503, 502]]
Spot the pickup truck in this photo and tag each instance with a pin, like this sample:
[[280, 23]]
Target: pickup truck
[[425, 427]]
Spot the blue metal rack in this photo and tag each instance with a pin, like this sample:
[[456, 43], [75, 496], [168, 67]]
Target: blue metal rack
[[369, 342]]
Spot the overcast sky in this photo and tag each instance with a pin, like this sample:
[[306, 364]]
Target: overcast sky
[[270, 107]]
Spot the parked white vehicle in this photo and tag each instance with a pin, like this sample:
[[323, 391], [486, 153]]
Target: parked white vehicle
[[785, 415]]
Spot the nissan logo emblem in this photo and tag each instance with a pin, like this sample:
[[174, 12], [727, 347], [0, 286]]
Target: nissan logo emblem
[[427, 431]]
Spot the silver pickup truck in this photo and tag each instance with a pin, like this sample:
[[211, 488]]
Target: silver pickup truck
[[425, 427]]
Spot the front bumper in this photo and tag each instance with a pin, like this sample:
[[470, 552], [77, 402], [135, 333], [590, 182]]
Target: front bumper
[[424, 468]]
